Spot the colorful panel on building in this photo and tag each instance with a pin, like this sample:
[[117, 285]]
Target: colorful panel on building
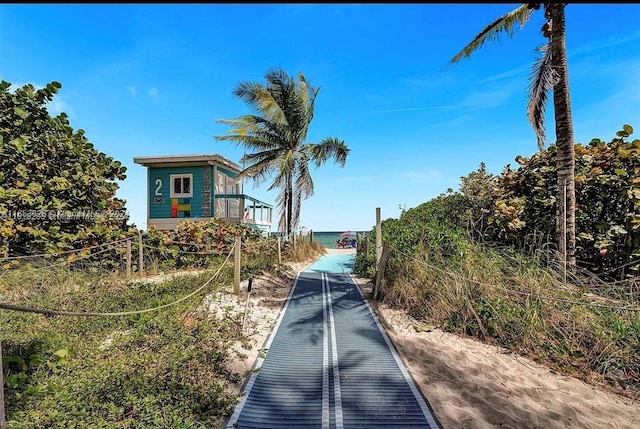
[[180, 207]]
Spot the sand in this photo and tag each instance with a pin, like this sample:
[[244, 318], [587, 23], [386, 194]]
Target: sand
[[468, 384]]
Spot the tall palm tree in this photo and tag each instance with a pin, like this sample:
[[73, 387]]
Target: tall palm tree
[[276, 134], [550, 73]]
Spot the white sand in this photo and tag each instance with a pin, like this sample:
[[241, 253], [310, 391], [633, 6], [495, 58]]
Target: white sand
[[468, 384]]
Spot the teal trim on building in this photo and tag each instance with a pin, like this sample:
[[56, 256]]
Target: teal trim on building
[[228, 173]]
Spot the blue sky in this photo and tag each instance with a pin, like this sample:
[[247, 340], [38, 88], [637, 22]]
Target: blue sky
[[147, 80]]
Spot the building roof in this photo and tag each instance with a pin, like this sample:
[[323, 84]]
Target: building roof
[[183, 160]]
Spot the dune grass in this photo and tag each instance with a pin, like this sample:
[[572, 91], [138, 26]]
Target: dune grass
[[583, 328]]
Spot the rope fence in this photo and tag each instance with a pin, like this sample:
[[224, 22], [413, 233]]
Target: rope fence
[[49, 312], [64, 252], [67, 262], [123, 249], [137, 253], [56, 312], [182, 252]]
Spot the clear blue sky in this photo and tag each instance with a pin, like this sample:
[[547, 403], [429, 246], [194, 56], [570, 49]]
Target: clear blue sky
[[147, 80]]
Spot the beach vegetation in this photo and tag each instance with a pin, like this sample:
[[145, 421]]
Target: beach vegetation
[[57, 191], [501, 282]]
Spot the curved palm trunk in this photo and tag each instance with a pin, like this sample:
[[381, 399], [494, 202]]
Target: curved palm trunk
[[564, 137], [289, 204]]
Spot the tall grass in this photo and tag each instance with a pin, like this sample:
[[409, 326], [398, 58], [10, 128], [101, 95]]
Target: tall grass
[[303, 250], [519, 302]]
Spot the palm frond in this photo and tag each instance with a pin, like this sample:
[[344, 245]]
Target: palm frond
[[296, 209], [261, 100], [245, 120], [253, 133], [279, 179], [286, 198], [294, 99], [304, 182], [262, 156], [303, 90], [281, 200], [307, 100], [258, 141], [542, 80], [284, 167], [245, 124], [328, 148], [248, 92], [281, 88], [260, 169], [301, 192], [247, 142], [504, 24]]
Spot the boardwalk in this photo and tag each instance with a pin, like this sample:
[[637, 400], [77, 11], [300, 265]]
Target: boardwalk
[[329, 364]]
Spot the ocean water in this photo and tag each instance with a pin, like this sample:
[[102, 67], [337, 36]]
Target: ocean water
[[329, 238]]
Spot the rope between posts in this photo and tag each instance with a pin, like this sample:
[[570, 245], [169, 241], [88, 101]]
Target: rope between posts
[[52, 255], [186, 252], [49, 312], [65, 262]]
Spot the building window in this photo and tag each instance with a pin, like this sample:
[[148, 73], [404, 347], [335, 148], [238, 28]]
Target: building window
[[181, 185]]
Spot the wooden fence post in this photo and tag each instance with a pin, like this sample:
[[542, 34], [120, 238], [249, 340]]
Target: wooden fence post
[[140, 254], [236, 271], [279, 252], [128, 257], [380, 274]]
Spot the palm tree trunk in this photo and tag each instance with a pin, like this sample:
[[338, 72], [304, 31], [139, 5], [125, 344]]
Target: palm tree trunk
[[289, 203], [564, 138]]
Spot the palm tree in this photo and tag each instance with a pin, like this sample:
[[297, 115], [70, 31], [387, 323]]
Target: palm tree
[[550, 73], [276, 134]]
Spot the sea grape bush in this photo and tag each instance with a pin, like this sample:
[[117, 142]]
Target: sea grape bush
[[48, 168], [607, 200]]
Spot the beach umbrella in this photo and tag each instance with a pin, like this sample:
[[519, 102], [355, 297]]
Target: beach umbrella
[[346, 234]]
